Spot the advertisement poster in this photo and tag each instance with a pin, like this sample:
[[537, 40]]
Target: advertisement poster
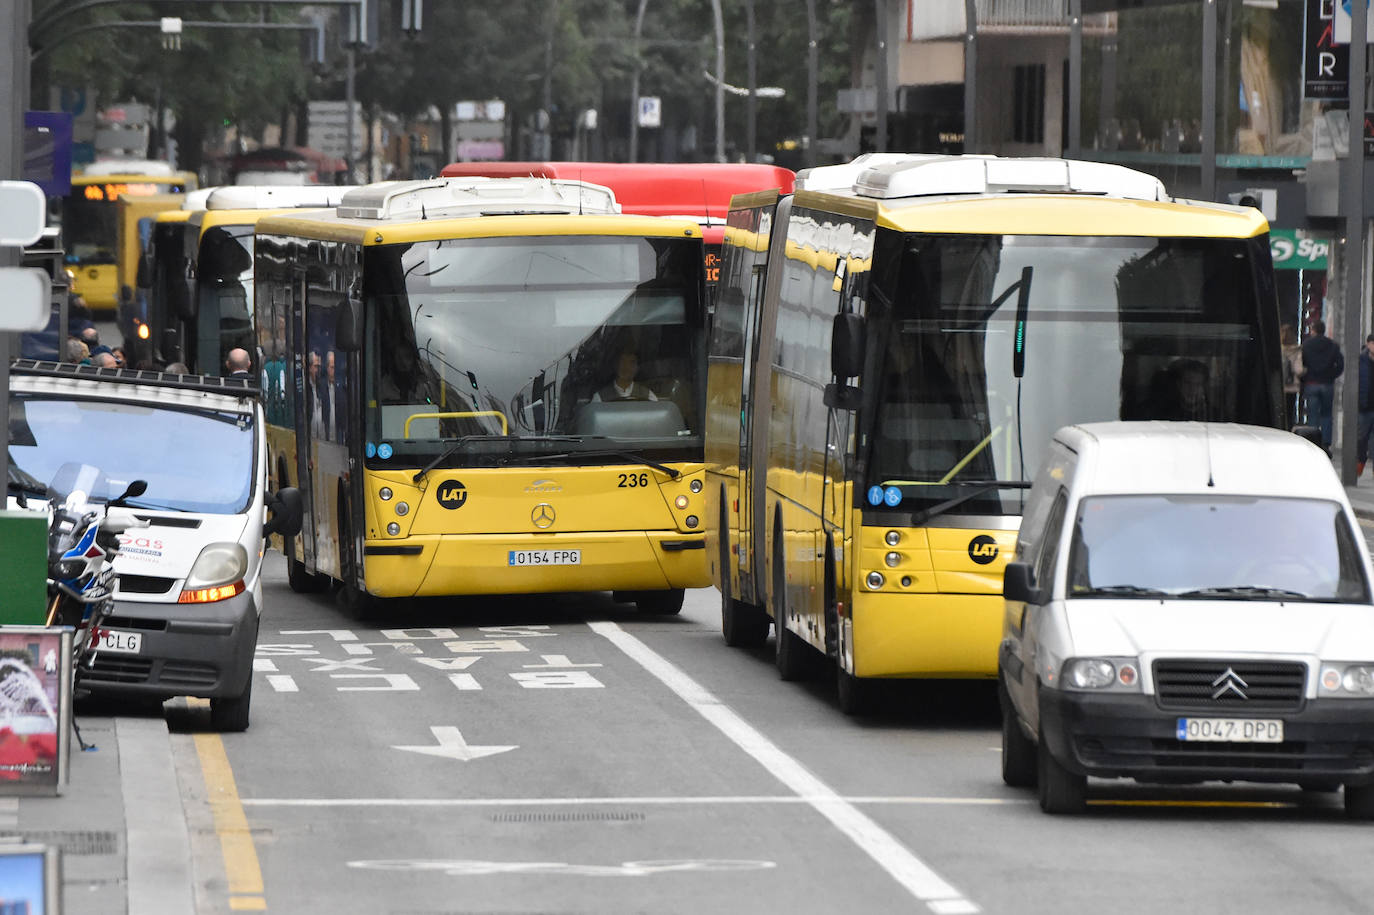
[[35, 708]]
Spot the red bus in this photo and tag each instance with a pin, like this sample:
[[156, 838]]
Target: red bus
[[699, 190]]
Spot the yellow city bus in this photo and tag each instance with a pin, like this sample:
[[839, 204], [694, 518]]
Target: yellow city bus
[[486, 386], [90, 223], [209, 288], [894, 345]]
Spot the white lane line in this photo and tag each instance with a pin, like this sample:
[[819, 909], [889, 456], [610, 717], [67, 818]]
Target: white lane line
[[880, 845], [283, 683], [877, 801]]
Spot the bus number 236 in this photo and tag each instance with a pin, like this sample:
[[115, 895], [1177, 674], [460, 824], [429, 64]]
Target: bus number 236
[[632, 480]]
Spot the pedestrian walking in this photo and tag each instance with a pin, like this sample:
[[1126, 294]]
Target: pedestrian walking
[[1366, 406], [1322, 364]]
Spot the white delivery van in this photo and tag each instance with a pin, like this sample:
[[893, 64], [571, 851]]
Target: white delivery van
[[1188, 602], [188, 595]]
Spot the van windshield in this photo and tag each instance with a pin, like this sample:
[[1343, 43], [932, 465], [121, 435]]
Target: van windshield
[[193, 460], [1215, 547]]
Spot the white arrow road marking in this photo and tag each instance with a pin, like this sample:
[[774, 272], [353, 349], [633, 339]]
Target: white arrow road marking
[[453, 746]]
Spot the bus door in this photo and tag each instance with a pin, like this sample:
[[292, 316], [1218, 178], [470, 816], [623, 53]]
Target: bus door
[[760, 327], [302, 413]]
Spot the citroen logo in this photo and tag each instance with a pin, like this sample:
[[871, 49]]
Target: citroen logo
[[543, 515], [1229, 682]]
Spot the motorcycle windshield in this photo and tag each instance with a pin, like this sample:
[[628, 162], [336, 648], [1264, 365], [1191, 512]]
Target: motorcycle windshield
[[75, 483]]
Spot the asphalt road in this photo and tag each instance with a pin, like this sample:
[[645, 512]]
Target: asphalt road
[[540, 755]]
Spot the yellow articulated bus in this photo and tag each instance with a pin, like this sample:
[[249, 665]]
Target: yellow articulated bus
[[894, 345], [486, 386], [208, 298], [90, 223]]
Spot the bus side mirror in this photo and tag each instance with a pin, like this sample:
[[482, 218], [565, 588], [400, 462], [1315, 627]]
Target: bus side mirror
[[144, 278], [848, 340], [348, 335], [183, 296], [288, 511], [1018, 584]]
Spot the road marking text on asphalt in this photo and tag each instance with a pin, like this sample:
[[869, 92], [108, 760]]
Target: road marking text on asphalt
[[880, 845]]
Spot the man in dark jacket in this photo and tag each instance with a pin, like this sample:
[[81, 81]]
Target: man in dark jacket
[[1366, 425], [1322, 364]]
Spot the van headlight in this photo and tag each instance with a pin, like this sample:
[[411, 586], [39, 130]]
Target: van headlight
[[1350, 680], [218, 564], [1102, 673]]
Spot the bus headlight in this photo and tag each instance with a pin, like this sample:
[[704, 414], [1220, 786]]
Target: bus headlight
[[892, 538], [393, 528], [402, 508], [384, 493], [692, 521], [875, 580], [892, 559], [681, 502], [696, 485]]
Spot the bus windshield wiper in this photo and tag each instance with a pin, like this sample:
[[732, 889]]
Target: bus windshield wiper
[[1243, 591], [631, 456], [451, 450], [975, 488]]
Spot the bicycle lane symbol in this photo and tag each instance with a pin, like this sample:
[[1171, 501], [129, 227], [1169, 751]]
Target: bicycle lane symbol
[[475, 868]]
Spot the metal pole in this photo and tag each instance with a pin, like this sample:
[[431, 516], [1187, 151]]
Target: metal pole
[[1351, 322], [812, 78], [14, 98], [1075, 112], [970, 76], [720, 79], [1209, 100], [348, 104], [750, 107], [634, 84], [880, 76]]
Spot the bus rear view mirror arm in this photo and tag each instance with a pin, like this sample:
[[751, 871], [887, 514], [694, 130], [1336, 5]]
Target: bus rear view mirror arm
[[288, 511], [1018, 584]]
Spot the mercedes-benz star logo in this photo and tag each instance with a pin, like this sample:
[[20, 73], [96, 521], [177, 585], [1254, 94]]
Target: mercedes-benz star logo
[[1229, 682], [543, 515]]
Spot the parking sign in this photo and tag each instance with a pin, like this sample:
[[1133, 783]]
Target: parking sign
[[650, 111]]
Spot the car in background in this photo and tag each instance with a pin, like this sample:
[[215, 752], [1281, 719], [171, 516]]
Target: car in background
[[1189, 602], [188, 597]]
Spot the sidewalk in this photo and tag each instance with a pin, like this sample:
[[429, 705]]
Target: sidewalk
[[119, 821], [1362, 499]]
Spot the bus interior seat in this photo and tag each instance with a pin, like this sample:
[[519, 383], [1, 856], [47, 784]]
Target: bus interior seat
[[394, 418], [629, 419]]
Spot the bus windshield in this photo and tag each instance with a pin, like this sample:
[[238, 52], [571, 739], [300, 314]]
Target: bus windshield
[[994, 342], [520, 346], [224, 278], [90, 217]]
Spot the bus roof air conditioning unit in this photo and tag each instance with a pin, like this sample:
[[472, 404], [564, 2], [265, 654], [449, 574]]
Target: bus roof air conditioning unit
[[450, 197], [941, 175], [273, 197]]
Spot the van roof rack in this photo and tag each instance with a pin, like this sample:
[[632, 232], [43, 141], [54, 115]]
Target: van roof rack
[[448, 197], [241, 386]]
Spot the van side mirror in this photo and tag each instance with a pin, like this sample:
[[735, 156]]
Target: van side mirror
[[288, 511], [348, 332], [848, 341], [1018, 584], [1311, 433]]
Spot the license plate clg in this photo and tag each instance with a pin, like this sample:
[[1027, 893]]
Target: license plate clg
[[544, 558], [120, 642], [1231, 730]]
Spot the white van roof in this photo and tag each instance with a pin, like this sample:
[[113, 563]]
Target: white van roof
[[1184, 458], [275, 196]]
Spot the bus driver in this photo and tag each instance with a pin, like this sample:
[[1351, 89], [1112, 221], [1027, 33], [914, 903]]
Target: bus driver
[[624, 386]]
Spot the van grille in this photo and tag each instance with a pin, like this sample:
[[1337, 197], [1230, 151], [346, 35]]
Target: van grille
[[1230, 686], [144, 584]]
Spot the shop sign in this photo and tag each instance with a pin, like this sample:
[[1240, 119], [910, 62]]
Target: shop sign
[[1292, 251]]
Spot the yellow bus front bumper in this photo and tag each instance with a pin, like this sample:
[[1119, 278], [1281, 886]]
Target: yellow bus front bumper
[[440, 565], [926, 635]]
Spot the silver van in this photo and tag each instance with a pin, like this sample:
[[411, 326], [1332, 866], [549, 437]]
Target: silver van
[[1188, 602]]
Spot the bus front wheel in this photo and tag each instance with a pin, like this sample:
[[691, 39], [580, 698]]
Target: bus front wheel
[[301, 581]]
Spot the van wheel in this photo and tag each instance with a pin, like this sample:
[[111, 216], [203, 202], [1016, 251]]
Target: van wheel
[[1359, 802], [229, 714], [1018, 751], [854, 694], [791, 653], [1060, 790], [662, 603]]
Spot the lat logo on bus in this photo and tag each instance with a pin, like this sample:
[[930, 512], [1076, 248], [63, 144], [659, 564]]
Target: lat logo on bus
[[982, 549], [451, 494]]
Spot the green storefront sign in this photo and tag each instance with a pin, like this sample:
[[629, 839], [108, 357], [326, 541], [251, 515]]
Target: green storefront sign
[[1294, 251]]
